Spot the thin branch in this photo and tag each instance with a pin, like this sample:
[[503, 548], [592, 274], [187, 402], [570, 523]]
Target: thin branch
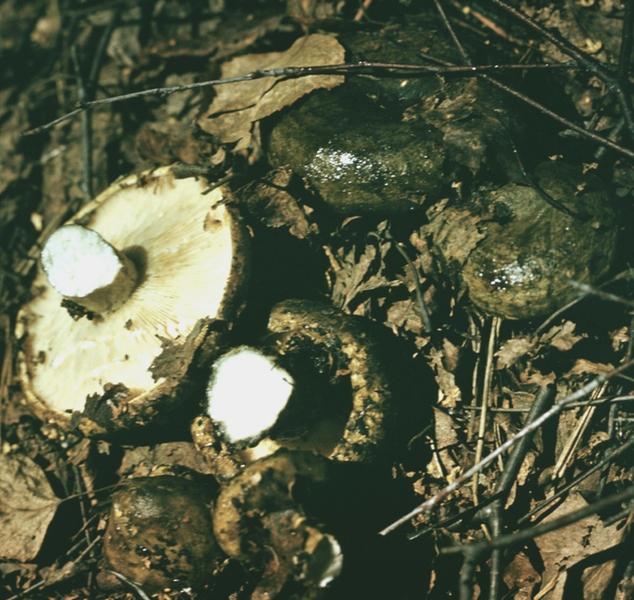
[[86, 126], [588, 290], [625, 52], [520, 537], [603, 141], [606, 460], [496, 520], [432, 502], [613, 83], [360, 68]]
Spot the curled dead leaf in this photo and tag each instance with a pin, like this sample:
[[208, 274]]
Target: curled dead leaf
[[237, 106], [27, 508]]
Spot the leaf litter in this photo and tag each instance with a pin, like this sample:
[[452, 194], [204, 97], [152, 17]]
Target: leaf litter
[[366, 276]]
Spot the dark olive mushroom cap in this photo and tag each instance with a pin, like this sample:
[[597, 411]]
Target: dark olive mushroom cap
[[160, 535], [525, 264]]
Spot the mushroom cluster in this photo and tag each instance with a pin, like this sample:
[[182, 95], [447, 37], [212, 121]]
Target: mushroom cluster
[[130, 311]]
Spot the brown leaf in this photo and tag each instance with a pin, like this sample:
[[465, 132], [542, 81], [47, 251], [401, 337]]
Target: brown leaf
[[562, 336], [454, 231], [449, 392], [512, 350], [27, 507], [583, 366], [358, 275], [237, 106], [271, 203], [563, 548], [521, 576]]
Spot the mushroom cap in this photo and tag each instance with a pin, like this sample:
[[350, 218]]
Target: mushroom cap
[[189, 250], [159, 532]]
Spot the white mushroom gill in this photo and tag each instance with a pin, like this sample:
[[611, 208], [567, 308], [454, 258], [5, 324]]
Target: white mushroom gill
[[187, 269], [247, 392]]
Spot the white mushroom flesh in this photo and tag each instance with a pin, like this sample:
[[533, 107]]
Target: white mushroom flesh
[[333, 566], [247, 392], [85, 268], [186, 240]]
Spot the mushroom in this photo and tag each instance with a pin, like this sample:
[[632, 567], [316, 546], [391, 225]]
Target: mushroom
[[160, 535], [259, 519], [126, 299], [323, 381]]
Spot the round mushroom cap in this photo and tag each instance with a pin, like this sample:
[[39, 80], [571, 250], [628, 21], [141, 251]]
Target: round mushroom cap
[[160, 533], [189, 252]]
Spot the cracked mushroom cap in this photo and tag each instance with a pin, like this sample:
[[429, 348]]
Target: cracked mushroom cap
[[147, 267]]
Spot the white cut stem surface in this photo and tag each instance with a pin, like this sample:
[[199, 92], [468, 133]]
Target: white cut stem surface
[[247, 393], [78, 261]]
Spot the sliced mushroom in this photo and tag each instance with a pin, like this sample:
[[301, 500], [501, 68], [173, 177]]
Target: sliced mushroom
[[323, 382], [151, 264]]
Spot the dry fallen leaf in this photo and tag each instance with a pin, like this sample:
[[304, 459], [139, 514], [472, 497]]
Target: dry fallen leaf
[[454, 231], [237, 106], [27, 508], [512, 350], [583, 366], [360, 274], [521, 576], [449, 393], [562, 549], [270, 203], [562, 337]]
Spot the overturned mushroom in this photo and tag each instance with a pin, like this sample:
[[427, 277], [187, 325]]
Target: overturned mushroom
[[259, 519], [324, 381], [127, 295], [159, 533]]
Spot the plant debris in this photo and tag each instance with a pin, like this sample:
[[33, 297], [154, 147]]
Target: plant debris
[[28, 507], [436, 199]]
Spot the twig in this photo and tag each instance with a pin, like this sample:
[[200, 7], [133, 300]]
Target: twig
[[625, 51], [590, 290], [560, 492], [540, 107], [486, 394], [466, 575], [362, 10], [360, 68], [601, 401], [432, 502], [520, 537], [613, 83], [496, 521], [422, 307], [86, 126], [574, 439], [138, 590]]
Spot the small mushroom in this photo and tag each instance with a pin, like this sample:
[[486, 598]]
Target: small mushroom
[[126, 297], [259, 520], [160, 535], [323, 381]]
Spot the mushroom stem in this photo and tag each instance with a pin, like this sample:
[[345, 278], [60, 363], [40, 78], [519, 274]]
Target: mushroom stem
[[87, 270]]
